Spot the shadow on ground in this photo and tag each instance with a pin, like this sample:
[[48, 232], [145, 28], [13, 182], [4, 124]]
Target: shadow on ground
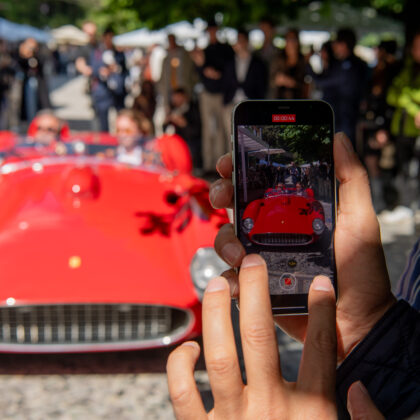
[[142, 361]]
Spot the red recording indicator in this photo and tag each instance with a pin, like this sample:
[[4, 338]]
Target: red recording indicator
[[283, 118]]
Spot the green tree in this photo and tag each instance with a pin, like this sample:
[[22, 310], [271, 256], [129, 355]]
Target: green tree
[[156, 14], [44, 13], [126, 15], [308, 143]]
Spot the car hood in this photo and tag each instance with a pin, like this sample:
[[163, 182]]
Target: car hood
[[284, 214], [74, 231]]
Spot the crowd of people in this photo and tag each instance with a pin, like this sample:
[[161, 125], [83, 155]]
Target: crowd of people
[[287, 178], [378, 108]]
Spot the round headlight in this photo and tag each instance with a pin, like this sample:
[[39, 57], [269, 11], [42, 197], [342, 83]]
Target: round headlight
[[318, 226], [247, 224], [79, 147], [205, 265]]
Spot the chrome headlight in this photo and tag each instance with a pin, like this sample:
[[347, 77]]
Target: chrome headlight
[[79, 147], [247, 224], [205, 265], [318, 226]]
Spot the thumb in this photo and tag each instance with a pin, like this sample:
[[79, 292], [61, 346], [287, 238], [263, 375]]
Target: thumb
[[359, 404], [355, 203], [354, 181]]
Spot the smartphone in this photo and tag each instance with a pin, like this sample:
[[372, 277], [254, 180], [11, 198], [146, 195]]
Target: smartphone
[[285, 193]]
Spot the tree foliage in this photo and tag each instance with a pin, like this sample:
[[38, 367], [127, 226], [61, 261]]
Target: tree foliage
[[126, 15], [308, 143], [44, 13], [155, 14]]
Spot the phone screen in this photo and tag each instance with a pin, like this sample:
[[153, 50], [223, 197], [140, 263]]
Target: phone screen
[[285, 194]]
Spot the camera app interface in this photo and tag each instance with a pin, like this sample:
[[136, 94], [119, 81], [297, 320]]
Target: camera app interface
[[285, 182]]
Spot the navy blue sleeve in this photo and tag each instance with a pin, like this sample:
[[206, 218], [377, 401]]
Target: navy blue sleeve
[[408, 287], [387, 362]]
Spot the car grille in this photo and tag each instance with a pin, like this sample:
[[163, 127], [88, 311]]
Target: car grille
[[282, 239], [94, 325]]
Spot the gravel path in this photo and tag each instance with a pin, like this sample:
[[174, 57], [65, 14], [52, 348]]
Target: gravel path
[[122, 397], [122, 385]]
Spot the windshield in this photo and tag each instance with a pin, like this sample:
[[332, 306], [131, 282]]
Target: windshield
[[26, 148]]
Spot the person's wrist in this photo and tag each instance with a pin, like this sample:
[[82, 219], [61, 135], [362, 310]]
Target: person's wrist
[[357, 331]]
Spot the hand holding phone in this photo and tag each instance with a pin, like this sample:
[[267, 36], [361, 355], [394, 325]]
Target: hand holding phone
[[363, 282]]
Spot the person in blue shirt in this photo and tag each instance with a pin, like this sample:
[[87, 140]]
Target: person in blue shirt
[[108, 79]]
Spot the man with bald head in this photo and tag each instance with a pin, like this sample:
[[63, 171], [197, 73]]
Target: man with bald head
[[46, 129]]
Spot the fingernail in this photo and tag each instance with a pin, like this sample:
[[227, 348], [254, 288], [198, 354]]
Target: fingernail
[[361, 387], [322, 284], [215, 189], [218, 163], [356, 398], [191, 344], [346, 143], [252, 260], [217, 284], [231, 253]]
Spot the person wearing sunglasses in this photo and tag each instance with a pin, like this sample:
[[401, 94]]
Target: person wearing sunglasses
[[46, 129]]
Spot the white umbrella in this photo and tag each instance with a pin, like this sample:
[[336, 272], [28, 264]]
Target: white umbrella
[[183, 31], [69, 34], [139, 38]]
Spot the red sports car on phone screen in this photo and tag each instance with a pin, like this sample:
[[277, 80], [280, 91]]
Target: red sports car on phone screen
[[99, 255], [284, 219]]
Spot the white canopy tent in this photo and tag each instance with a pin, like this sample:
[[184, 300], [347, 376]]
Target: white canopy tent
[[189, 35], [184, 32], [140, 38], [69, 34]]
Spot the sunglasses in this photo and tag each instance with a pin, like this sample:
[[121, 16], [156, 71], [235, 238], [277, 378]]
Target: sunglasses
[[126, 131], [48, 129]]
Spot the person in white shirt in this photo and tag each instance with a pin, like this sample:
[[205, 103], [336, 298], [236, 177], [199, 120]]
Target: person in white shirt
[[132, 128]]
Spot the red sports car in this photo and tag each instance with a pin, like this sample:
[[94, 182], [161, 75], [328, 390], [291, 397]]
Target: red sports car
[[284, 219], [98, 255]]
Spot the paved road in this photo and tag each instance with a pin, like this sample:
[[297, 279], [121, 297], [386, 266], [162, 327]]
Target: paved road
[[71, 103], [129, 385]]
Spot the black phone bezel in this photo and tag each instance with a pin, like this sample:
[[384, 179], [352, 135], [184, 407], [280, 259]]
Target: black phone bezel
[[259, 112]]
